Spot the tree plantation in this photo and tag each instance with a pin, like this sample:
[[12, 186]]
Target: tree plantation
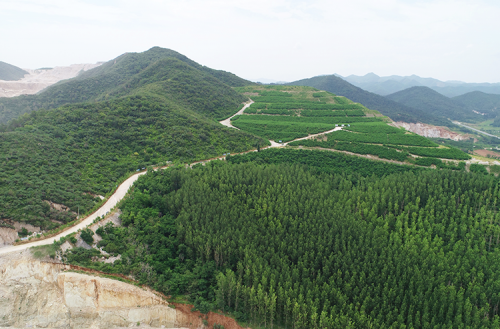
[[282, 244]]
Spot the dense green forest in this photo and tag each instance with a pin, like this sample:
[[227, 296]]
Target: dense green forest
[[61, 155], [165, 70], [311, 239]]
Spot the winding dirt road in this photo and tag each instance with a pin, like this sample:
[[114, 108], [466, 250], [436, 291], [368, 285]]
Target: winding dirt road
[[113, 200], [122, 190], [227, 122]]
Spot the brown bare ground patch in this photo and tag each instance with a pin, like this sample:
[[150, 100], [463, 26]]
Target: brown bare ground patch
[[193, 320], [485, 153]]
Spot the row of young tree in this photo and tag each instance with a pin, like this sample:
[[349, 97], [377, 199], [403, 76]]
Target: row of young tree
[[294, 246]]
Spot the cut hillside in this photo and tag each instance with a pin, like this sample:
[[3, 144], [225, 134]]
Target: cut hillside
[[433, 103], [117, 74], [393, 110], [10, 72]]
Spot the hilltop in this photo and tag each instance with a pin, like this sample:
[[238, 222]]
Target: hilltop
[[10, 72], [123, 75], [435, 104], [144, 110]]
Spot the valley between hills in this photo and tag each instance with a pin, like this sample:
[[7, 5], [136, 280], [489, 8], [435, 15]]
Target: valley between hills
[[166, 193]]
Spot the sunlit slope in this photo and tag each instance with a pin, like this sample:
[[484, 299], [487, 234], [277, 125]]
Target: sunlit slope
[[285, 113], [125, 74], [67, 154]]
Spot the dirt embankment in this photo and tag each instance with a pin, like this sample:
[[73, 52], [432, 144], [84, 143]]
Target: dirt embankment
[[35, 293], [193, 320]]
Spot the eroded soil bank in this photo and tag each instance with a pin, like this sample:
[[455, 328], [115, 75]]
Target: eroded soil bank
[[36, 293]]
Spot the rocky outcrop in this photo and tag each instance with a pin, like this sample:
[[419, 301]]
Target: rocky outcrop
[[38, 294], [431, 131]]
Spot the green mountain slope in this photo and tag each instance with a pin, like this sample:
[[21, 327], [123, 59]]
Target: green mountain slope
[[67, 154], [394, 110], [10, 72], [98, 83], [433, 103], [285, 113], [481, 102]]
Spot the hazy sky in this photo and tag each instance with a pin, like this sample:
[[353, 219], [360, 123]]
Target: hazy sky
[[276, 39]]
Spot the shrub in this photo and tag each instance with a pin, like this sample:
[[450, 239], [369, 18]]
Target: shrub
[[86, 236]]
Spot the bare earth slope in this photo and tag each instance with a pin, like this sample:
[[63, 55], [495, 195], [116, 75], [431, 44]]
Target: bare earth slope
[[37, 80]]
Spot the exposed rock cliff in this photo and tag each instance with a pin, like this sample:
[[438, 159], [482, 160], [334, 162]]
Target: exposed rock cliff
[[431, 131], [39, 294]]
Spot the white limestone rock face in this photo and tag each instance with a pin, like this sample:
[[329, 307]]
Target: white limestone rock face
[[431, 131], [37, 294]]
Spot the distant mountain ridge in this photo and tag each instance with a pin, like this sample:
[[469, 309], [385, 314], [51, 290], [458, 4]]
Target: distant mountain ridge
[[390, 108], [10, 72], [433, 103], [471, 107], [394, 83]]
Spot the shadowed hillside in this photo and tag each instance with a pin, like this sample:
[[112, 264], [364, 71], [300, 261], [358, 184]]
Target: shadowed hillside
[[10, 72], [433, 103]]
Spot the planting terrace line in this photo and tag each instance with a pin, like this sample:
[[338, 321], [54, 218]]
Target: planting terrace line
[[122, 190]]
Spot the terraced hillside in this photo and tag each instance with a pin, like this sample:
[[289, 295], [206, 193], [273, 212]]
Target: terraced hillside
[[286, 113]]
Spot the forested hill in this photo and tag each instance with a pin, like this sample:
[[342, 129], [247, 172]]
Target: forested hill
[[394, 110], [433, 103], [480, 101], [10, 72], [123, 74], [281, 244], [70, 154]]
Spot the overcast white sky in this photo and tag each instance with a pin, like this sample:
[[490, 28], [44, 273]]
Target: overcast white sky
[[275, 39]]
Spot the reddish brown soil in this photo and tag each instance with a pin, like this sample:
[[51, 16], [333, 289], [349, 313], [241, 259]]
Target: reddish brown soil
[[484, 153], [185, 318], [194, 320]]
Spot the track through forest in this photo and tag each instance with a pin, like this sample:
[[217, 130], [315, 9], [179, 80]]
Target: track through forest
[[122, 190]]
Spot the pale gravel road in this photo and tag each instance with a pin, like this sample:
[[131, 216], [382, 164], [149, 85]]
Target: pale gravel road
[[113, 200], [227, 122], [122, 190]]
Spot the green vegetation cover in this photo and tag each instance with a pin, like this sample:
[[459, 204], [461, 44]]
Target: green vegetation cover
[[70, 154], [394, 110], [433, 103], [286, 113], [281, 243], [10, 72], [161, 71]]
